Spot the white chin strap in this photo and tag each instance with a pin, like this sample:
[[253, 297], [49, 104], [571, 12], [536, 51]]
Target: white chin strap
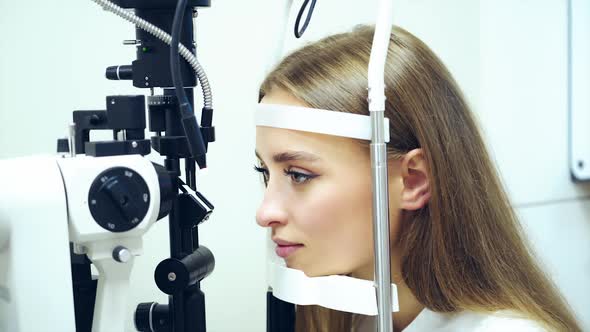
[[334, 292]]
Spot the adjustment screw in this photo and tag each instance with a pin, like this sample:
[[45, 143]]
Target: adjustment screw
[[121, 254], [131, 42]]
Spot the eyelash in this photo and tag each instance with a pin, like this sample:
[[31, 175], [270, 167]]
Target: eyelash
[[292, 174]]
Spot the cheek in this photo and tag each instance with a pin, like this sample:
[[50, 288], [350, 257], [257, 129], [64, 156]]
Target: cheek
[[338, 217]]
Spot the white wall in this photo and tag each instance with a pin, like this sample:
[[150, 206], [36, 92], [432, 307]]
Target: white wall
[[509, 57], [523, 108]]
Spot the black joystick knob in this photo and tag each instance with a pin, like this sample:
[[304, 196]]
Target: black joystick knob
[[119, 199], [142, 319], [152, 317]]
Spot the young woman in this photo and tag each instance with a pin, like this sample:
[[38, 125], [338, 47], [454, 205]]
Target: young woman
[[458, 255]]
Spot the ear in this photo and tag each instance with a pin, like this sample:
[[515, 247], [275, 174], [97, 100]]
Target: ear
[[416, 181]]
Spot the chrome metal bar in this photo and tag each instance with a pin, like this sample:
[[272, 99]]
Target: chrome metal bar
[[72, 139], [381, 223]]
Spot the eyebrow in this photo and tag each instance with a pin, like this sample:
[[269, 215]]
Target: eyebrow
[[292, 156]]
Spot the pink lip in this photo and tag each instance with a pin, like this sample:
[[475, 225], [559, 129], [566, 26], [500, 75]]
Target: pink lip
[[282, 242], [286, 248], [285, 251]]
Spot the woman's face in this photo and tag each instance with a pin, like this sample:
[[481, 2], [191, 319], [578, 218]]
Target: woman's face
[[318, 199]]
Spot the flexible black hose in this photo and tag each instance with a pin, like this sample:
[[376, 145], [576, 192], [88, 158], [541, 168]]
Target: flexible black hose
[[299, 31], [190, 123]]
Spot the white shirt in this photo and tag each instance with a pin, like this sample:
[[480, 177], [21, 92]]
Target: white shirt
[[465, 321]]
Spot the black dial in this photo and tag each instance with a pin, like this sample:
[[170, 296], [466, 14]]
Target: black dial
[[119, 199]]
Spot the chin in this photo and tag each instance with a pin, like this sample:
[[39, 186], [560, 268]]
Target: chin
[[315, 268], [316, 272], [312, 274], [307, 271]]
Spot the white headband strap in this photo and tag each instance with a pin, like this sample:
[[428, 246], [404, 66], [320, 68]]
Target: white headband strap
[[315, 120]]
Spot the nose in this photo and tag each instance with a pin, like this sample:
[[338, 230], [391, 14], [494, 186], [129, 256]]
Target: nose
[[271, 211]]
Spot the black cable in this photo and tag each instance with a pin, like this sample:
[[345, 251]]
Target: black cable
[[174, 56], [299, 32], [189, 121]]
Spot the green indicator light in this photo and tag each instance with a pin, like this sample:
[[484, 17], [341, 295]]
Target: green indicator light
[[144, 49]]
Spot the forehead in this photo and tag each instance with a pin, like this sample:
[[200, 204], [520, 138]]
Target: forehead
[[272, 141]]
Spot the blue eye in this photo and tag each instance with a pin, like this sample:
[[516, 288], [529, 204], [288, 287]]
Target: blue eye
[[298, 177]]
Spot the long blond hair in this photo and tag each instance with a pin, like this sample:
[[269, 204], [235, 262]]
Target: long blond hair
[[465, 250]]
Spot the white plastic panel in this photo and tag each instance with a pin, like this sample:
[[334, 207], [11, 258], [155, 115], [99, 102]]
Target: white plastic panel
[[35, 274], [524, 97], [579, 85]]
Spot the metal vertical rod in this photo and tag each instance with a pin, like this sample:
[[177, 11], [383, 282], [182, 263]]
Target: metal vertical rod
[[376, 78], [72, 139], [381, 223]]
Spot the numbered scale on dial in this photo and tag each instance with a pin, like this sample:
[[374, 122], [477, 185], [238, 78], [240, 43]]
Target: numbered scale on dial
[[119, 199]]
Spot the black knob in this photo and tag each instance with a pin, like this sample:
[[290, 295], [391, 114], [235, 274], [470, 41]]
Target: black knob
[[119, 199], [163, 114], [152, 317], [119, 73], [175, 275], [142, 317]]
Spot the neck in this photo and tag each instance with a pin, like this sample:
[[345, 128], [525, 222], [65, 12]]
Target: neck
[[409, 307]]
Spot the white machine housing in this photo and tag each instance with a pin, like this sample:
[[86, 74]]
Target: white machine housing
[[44, 207]]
